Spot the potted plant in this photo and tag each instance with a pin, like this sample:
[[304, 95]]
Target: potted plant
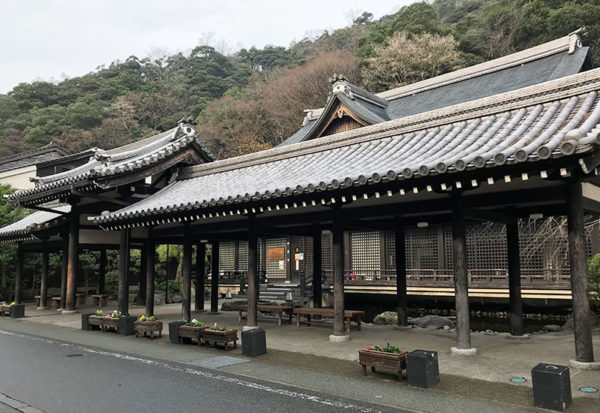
[[383, 357], [149, 325], [92, 319], [192, 330], [4, 309], [111, 321], [217, 334]]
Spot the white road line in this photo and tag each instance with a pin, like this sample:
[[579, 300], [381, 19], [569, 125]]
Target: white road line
[[240, 382]]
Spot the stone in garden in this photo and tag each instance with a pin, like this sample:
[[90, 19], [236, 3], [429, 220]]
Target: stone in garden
[[176, 299], [447, 328], [434, 322], [568, 325], [387, 317], [552, 327], [159, 298], [230, 305]]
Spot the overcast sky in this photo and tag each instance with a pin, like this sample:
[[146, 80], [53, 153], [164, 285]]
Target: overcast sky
[[54, 39]]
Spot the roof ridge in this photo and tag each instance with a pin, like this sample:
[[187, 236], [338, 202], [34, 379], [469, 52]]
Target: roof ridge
[[531, 95], [569, 42], [47, 147]]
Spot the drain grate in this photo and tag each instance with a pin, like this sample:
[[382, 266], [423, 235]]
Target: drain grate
[[588, 389], [74, 355], [518, 380]]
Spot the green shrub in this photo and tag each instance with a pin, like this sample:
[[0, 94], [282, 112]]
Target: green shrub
[[594, 280]]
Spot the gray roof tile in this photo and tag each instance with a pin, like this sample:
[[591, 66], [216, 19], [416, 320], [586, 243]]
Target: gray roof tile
[[24, 229]]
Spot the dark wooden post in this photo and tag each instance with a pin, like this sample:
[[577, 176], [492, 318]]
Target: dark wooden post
[[461, 281], [317, 268], [150, 271], [214, 282], [19, 275], [514, 279], [584, 351], [252, 275], [63, 271], [401, 297], [200, 273], [44, 279], [186, 272], [124, 272], [339, 326], [102, 272], [72, 261], [142, 288]]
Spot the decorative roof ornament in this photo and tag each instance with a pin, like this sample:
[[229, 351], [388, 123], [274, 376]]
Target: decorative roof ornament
[[575, 39], [340, 85]]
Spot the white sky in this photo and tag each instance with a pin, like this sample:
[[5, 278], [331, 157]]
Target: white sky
[[53, 39]]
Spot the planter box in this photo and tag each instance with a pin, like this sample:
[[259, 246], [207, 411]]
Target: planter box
[[5, 310], [380, 360], [190, 333], [174, 331], [149, 328], [220, 337], [110, 323], [94, 320], [126, 325], [17, 311]]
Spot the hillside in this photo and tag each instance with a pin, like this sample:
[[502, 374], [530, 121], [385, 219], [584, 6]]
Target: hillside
[[254, 98]]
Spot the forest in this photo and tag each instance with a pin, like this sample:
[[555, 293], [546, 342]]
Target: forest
[[254, 98]]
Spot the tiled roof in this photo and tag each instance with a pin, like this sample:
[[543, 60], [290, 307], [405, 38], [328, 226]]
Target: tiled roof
[[125, 159], [550, 120], [45, 153], [549, 61], [23, 229]]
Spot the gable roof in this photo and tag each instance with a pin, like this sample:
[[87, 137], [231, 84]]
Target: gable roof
[[548, 61], [42, 154], [548, 121], [105, 165]]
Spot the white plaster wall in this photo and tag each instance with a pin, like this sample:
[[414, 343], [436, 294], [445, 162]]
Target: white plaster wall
[[18, 178]]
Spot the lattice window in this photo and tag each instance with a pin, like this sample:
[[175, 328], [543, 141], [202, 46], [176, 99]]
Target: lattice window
[[389, 249], [366, 251], [486, 246], [277, 268], [422, 248], [343, 124], [243, 256], [227, 255], [326, 251]]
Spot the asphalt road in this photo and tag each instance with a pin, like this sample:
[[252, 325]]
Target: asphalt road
[[50, 376]]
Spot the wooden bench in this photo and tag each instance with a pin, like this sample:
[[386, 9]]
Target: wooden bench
[[100, 300], [276, 309], [328, 312], [55, 303]]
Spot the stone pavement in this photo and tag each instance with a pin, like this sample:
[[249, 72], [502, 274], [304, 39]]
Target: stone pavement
[[305, 357]]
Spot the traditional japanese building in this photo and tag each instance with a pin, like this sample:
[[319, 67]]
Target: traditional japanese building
[[371, 185]]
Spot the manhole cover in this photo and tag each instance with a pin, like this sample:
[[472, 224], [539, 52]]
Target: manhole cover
[[75, 355], [518, 380], [588, 389]]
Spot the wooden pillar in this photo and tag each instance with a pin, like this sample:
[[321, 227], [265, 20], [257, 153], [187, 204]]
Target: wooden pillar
[[339, 326], [72, 260], [401, 297], [44, 278], [142, 288], [214, 283], [252, 276], [102, 272], [150, 271], [317, 268], [123, 295], [19, 275], [186, 272], [63, 271], [515, 312], [200, 273], [584, 351], [461, 281]]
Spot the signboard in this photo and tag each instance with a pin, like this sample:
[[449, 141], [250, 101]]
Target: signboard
[[282, 265], [276, 254], [299, 256]]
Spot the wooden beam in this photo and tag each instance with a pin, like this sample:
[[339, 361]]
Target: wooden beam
[[253, 284], [339, 325], [44, 279], [186, 272], [19, 275], [73, 260], [98, 197], [317, 267], [200, 273], [123, 294], [461, 280], [401, 296], [150, 275], [214, 284]]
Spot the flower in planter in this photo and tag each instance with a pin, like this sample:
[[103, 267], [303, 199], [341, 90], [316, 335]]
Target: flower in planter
[[116, 314], [195, 323], [13, 303], [144, 318], [216, 327], [387, 349], [99, 313]]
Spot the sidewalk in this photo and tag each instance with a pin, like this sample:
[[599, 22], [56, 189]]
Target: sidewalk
[[304, 357]]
